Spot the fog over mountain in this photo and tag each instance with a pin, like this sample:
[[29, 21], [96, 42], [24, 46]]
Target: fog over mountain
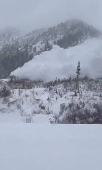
[[32, 14]]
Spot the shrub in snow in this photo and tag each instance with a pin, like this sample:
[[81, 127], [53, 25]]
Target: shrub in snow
[[75, 113], [5, 92], [28, 119], [52, 120], [38, 111], [42, 107]]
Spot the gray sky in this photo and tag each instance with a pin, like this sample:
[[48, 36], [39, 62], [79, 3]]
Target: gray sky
[[31, 14]]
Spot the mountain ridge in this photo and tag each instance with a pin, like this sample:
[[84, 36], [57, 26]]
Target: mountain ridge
[[24, 48]]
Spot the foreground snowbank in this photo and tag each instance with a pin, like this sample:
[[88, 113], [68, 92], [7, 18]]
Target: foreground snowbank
[[61, 63], [47, 147]]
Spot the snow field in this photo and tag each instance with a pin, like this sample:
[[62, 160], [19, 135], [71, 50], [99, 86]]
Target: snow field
[[38, 147]]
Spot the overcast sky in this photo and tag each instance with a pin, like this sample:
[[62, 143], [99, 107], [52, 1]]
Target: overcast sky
[[31, 14]]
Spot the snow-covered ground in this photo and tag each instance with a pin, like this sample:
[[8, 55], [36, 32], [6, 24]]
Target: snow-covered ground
[[10, 118], [17, 118], [44, 146], [42, 104], [50, 147], [62, 63]]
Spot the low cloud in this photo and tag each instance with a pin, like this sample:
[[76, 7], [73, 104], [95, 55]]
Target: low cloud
[[32, 14]]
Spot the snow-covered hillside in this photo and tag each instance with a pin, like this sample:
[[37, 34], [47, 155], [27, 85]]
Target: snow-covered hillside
[[8, 36], [54, 102], [22, 104], [61, 63]]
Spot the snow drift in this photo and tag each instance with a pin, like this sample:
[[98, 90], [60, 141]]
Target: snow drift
[[62, 63]]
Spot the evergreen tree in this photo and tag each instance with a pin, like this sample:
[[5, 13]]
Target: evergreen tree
[[48, 47], [77, 76]]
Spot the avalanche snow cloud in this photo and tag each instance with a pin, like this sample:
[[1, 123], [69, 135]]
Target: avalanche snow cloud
[[61, 63]]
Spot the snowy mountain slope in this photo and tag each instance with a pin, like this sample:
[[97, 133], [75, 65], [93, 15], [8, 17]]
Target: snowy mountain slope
[[14, 49], [68, 34], [8, 36], [61, 63]]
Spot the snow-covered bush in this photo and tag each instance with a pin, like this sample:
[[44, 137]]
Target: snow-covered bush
[[5, 92], [77, 113]]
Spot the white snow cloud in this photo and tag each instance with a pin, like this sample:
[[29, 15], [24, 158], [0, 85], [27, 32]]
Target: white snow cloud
[[61, 63]]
